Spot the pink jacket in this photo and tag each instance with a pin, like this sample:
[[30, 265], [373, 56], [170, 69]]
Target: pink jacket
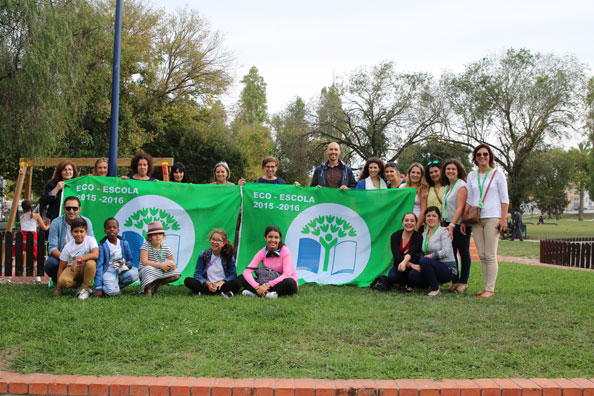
[[282, 265]]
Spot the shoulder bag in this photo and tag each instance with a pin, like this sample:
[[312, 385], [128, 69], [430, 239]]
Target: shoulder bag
[[472, 214]]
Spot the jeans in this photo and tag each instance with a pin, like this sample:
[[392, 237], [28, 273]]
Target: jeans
[[51, 268], [114, 282], [435, 272], [461, 244]]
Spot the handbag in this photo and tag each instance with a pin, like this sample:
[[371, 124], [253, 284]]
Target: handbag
[[472, 214], [265, 275]]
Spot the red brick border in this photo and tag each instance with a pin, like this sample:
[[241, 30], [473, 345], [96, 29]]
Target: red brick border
[[74, 385]]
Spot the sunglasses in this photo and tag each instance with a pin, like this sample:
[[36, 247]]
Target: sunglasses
[[71, 208], [482, 154], [432, 162]]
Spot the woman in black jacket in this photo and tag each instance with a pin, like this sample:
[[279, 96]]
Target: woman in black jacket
[[406, 249]]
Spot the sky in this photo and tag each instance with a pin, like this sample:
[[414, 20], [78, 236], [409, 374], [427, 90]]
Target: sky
[[299, 47]]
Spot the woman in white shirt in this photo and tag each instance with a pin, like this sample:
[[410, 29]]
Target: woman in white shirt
[[487, 188]]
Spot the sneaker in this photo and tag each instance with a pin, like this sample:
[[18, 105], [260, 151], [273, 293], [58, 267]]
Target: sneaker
[[272, 295], [83, 295], [248, 293], [228, 294], [50, 284]]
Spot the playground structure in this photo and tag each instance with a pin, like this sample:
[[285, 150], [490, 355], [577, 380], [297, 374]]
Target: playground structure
[[25, 176]]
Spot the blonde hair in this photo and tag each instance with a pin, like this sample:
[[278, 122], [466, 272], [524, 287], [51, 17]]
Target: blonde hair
[[423, 188]]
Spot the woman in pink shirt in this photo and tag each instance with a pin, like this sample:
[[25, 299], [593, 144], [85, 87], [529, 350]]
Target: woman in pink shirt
[[277, 276]]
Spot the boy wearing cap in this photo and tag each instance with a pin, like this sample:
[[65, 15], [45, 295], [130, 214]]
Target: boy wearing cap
[[157, 266]]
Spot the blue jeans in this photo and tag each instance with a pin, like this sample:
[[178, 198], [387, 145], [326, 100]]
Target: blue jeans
[[435, 272], [51, 268], [409, 277], [113, 282], [461, 244]]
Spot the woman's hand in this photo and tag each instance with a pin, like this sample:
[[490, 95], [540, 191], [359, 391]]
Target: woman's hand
[[219, 284], [59, 187], [416, 267], [502, 224], [241, 182], [450, 229], [402, 266], [212, 287], [262, 289], [463, 228]]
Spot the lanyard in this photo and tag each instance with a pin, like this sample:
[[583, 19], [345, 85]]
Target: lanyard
[[446, 195], [429, 237], [482, 185]]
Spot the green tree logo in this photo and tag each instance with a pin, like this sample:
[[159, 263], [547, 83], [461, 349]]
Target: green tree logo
[[329, 229], [143, 217]]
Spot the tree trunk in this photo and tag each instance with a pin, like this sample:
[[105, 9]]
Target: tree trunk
[[581, 208]]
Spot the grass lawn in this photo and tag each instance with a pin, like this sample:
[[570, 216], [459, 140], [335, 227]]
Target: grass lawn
[[519, 249], [540, 324], [563, 229]]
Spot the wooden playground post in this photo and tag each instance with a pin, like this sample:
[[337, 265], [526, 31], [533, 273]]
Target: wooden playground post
[[17, 195]]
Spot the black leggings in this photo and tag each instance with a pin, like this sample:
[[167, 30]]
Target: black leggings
[[198, 287], [286, 287]]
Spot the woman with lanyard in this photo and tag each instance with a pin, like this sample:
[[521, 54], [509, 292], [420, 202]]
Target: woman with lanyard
[[372, 177], [454, 199], [438, 264], [434, 178], [487, 189]]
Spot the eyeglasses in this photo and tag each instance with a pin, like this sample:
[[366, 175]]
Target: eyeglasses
[[216, 240], [482, 154], [432, 162], [71, 208]]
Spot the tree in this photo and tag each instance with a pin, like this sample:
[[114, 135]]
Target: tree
[[252, 103], [44, 49], [581, 173], [517, 102], [549, 173], [296, 150], [382, 112], [249, 130]]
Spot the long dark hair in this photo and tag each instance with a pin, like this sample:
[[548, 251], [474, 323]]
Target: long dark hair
[[271, 228], [181, 167], [374, 160], [461, 170], [432, 164], [27, 206], [227, 251]]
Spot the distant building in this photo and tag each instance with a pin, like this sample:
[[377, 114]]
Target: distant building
[[574, 200]]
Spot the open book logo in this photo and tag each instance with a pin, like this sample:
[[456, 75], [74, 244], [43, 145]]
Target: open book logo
[[331, 244], [135, 216]]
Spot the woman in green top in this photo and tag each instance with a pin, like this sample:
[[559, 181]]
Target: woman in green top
[[435, 180]]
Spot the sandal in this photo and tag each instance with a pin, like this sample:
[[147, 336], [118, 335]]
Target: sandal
[[486, 294], [453, 288], [478, 293], [434, 295], [461, 287], [409, 289]]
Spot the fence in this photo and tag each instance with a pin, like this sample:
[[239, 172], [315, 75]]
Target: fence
[[571, 252], [12, 264]]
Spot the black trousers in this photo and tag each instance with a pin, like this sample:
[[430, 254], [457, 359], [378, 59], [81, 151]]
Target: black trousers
[[198, 287], [284, 288]]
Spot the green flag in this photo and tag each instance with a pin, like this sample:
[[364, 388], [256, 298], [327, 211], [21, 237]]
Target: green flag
[[335, 237], [188, 212]]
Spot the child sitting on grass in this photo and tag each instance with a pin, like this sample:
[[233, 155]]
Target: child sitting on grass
[[157, 266], [115, 266], [77, 260]]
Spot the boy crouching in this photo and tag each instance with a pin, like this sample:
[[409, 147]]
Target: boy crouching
[[77, 260]]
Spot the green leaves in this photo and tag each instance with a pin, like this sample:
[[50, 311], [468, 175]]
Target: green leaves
[[143, 217]]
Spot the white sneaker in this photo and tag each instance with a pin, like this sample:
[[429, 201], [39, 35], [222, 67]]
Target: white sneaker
[[248, 293], [273, 295], [228, 294], [83, 295]]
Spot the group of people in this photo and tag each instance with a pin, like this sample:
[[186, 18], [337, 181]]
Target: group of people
[[425, 251], [76, 260]]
